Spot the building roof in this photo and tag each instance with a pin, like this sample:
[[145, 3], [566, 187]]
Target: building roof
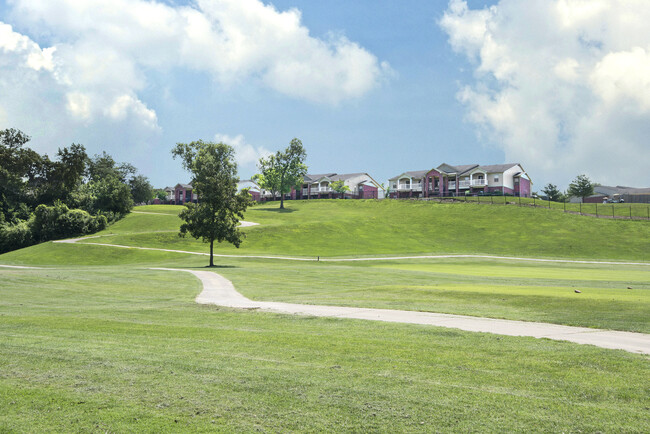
[[185, 186], [313, 177], [494, 168], [412, 174], [459, 170]]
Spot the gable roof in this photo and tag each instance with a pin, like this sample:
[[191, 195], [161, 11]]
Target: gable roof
[[459, 170], [412, 174], [185, 186], [494, 168], [313, 177]]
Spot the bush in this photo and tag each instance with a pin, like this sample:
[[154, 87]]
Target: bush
[[58, 221], [15, 236]]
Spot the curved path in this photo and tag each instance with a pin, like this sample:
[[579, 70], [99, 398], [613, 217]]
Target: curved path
[[220, 291]]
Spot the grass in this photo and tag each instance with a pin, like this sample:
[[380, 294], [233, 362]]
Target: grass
[[331, 228], [613, 210], [97, 342], [122, 349]]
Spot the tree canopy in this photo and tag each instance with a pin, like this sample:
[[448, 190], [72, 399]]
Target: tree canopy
[[283, 170], [43, 198], [340, 188], [553, 193], [214, 179], [581, 187]]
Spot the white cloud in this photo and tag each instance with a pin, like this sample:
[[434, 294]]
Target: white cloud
[[246, 154], [562, 86], [111, 42]]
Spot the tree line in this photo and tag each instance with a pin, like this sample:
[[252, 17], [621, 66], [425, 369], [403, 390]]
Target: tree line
[[43, 198]]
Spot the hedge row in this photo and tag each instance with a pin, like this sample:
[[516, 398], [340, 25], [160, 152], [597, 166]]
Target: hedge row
[[49, 223]]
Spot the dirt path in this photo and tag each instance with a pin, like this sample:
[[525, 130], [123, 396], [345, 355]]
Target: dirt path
[[220, 291]]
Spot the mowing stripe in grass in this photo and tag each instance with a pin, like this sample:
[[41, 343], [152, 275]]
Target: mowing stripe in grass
[[220, 291], [367, 258]]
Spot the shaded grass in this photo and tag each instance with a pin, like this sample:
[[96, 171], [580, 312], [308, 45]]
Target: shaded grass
[[115, 349], [331, 228]]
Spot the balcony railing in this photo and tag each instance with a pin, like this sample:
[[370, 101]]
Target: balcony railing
[[468, 183], [409, 187], [316, 190]]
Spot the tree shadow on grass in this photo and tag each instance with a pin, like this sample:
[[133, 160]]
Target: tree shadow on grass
[[285, 210], [216, 266]]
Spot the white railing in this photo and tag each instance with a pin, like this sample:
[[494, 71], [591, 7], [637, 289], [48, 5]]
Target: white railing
[[479, 182], [409, 187], [316, 190]]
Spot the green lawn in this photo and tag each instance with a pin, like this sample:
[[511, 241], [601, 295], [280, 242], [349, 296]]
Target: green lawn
[[615, 210], [98, 342], [336, 228], [121, 349]]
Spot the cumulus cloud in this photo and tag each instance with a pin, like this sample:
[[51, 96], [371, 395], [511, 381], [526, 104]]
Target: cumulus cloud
[[562, 86], [111, 42], [246, 154]]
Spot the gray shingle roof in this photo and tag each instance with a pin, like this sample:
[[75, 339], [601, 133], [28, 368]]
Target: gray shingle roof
[[494, 168], [313, 177], [413, 174]]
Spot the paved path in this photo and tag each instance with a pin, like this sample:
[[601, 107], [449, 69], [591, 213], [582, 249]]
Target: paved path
[[220, 291]]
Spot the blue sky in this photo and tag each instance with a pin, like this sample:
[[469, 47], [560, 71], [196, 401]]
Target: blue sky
[[560, 86]]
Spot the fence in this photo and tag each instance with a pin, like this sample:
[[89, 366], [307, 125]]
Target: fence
[[635, 211]]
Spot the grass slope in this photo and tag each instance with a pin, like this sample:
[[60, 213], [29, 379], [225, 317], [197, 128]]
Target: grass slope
[[336, 228], [98, 342], [115, 349]]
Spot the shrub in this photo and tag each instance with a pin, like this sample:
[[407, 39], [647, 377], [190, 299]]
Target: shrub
[[15, 236]]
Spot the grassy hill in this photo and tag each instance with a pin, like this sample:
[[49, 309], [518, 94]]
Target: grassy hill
[[96, 341], [337, 228]]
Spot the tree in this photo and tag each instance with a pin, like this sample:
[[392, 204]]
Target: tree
[[340, 187], [553, 193], [269, 182], [141, 189], [214, 179], [285, 169], [161, 195], [581, 187]]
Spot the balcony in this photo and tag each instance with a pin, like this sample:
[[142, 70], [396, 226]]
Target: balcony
[[468, 183], [317, 190], [409, 187]]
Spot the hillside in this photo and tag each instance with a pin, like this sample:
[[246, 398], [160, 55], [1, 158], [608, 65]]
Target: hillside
[[336, 228]]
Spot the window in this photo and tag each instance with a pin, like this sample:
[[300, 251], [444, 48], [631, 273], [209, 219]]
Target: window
[[496, 179]]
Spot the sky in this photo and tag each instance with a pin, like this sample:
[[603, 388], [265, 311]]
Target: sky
[[560, 86]]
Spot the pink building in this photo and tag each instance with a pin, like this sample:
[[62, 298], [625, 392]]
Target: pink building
[[447, 180]]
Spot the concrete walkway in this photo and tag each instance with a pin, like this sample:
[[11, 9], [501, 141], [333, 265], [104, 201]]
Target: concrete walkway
[[220, 291]]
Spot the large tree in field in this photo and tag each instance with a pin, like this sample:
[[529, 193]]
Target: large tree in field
[[284, 170], [214, 180], [581, 187]]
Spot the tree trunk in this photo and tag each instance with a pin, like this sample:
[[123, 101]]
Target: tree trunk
[[281, 191], [211, 250]]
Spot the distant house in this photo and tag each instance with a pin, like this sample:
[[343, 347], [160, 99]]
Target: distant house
[[255, 190], [447, 180], [183, 194], [169, 194], [603, 193], [318, 186]]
